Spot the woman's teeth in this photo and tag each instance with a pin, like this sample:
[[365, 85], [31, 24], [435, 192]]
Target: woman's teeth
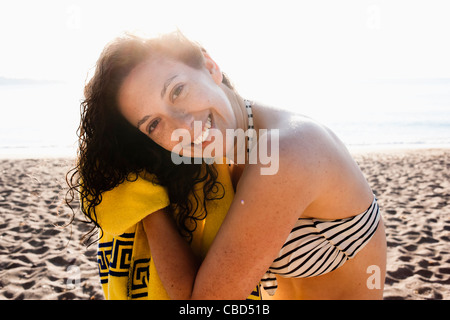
[[205, 133]]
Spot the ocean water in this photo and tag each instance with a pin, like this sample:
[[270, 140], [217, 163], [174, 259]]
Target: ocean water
[[41, 119], [414, 114]]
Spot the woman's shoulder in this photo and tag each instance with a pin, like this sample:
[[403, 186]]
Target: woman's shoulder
[[297, 140], [305, 139], [295, 146], [304, 150], [296, 132], [290, 144]]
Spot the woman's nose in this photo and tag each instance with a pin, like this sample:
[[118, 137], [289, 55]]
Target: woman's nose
[[183, 120]]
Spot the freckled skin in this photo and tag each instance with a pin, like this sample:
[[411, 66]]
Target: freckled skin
[[317, 178]]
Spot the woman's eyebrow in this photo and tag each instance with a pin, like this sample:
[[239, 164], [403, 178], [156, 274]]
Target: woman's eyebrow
[[163, 92], [140, 122], [166, 84]]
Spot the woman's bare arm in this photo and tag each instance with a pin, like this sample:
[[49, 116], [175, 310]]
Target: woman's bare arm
[[250, 237], [255, 229], [174, 259]]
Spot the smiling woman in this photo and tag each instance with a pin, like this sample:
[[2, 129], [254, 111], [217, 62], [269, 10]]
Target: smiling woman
[[318, 206], [115, 151], [123, 148]]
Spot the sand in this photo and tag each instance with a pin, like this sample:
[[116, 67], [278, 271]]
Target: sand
[[413, 188], [41, 260]]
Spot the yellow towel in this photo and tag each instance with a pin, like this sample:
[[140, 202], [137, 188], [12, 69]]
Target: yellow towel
[[125, 264]]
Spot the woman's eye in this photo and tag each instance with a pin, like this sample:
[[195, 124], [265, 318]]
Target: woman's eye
[[176, 92], [152, 125]]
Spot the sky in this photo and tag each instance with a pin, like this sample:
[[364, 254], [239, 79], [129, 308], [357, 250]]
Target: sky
[[272, 50]]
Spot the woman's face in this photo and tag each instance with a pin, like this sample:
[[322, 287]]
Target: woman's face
[[162, 95]]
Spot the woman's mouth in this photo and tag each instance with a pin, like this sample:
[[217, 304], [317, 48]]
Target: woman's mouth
[[205, 133]]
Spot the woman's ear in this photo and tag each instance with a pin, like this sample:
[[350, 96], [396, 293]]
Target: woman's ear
[[213, 68]]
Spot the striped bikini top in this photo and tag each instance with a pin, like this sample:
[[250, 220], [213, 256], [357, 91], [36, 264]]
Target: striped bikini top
[[315, 247]]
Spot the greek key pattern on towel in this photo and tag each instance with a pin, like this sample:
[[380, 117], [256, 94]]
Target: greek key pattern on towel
[[115, 259], [139, 282], [103, 258]]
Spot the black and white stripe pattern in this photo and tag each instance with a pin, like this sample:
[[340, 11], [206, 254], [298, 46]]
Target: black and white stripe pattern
[[251, 128], [315, 247]]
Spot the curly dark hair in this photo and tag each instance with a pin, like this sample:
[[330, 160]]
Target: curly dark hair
[[111, 150]]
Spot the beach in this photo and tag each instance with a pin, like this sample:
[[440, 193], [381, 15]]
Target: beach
[[41, 258], [413, 189]]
